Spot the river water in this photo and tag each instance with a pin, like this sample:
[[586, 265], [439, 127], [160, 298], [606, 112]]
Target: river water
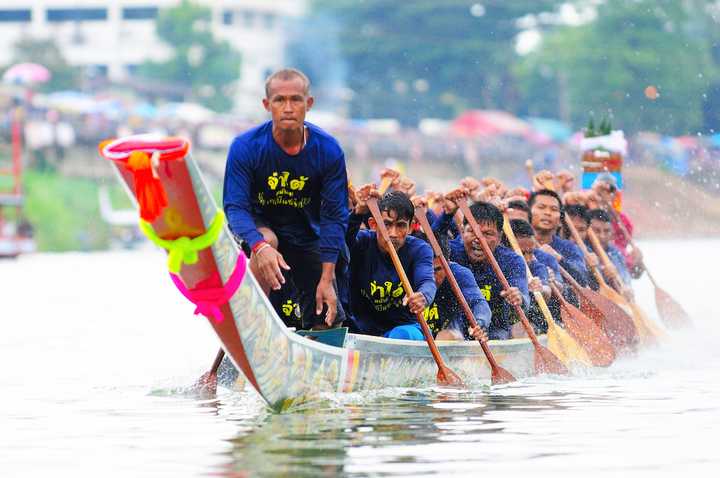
[[97, 352]]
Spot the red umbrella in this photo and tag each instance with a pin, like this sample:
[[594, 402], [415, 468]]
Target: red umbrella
[[489, 123], [26, 73]]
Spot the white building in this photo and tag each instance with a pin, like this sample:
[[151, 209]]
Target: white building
[[115, 36]]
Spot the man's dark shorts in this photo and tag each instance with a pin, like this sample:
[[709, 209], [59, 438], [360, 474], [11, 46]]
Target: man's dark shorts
[[295, 301]]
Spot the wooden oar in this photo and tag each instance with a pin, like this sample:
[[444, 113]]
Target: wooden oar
[[644, 330], [611, 318], [497, 373], [670, 311], [208, 382], [545, 361], [593, 339], [560, 342], [445, 376]]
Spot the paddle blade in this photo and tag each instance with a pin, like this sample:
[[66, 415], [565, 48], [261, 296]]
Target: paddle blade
[[613, 320], [547, 362], [589, 336], [207, 384], [671, 313], [565, 347], [500, 376], [448, 378]]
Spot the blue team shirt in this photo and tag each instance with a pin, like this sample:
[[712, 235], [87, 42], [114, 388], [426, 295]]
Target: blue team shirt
[[376, 291], [302, 198], [513, 266], [618, 261], [446, 312], [573, 260]]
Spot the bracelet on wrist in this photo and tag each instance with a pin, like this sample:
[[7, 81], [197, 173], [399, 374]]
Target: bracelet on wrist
[[258, 245]]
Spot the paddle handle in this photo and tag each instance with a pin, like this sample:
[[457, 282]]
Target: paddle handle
[[600, 250], [216, 363], [510, 234], [382, 230], [384, 185], [420, 215], [583, 248], [462, 203]]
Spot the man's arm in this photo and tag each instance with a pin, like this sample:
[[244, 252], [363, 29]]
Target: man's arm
[[574, 262], [423, 277], [473, 296], [237, 188], [333, 209]]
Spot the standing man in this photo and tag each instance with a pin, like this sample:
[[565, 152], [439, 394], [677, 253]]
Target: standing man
[[285, 196]]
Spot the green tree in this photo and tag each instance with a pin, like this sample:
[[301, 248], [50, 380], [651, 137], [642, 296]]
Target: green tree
[[46, 52], [615, 64], [418, 58], [206, 66]]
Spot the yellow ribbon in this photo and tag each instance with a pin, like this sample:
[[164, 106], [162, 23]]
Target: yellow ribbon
[[184, 250]]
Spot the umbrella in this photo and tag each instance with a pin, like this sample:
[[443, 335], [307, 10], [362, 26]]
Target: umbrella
[[489, 123], [26, 73]]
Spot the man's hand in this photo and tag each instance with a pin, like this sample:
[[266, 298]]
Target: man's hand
[[270, 264], [390, 175], [416, 302], [405, 184], [478, 333], [592, 260], [419, 201], [542, 180], [575, 198], [470, 183], [325, 295], [362, 195], [547, 248], [535, 285], [513, 296], [565, 181], [450, 205]]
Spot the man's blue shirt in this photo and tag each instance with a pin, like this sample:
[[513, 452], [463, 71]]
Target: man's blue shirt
[[376, 290], [302, 198]]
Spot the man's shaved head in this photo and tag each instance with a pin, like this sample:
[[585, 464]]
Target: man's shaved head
[[287, 74]]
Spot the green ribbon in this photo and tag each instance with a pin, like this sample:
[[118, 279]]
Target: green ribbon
[[184, 250]]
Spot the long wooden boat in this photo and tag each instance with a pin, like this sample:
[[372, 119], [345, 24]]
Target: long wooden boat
[[284, 367]]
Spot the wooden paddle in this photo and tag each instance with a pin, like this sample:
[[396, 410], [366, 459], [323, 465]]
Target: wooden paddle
[[208, 382], [545, 361], [445, 376], [670, 311], [560, 342], [497, 373], [585, 331], [646, 332], [611, 318]]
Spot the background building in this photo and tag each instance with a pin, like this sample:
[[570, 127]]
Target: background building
[[112, 37]]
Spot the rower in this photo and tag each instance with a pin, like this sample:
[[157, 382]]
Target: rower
[[601, 224], [546, 212], [541, 276], [445, 315], [606, 190], [285, 196], [379, 304], [578, 214], [466, 251]]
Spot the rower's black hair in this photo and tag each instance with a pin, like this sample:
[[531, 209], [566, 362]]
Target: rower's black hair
[[520, 205], [521, 228], [599, 215], [578, 210], [399, 202], [488, 213]]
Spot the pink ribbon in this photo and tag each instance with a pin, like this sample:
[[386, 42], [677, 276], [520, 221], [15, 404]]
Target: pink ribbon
[[208, 300]]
